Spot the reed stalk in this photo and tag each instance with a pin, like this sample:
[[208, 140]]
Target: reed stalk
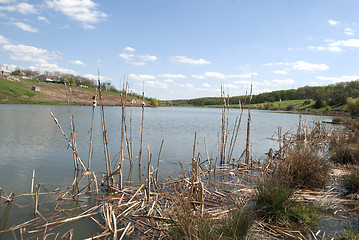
[[109, 177], [158, 162], [248, 127], [142, 122], [94, 103], [149, 174], [123, 122]]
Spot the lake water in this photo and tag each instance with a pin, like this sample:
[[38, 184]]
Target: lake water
[[29, 139]]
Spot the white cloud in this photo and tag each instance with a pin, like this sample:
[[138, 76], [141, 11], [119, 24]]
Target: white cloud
[[23, 8], [246, 82], [246, 75], [84, 11], [95, 77], [305, 66], [301, 65], [138, 63], [143, 77], [350, 43], [319, 48], [332, 22], [168, 81], [126, 56], [25, 27], [22, 52], [26, 8], [147, 58], [281, 72], [198, 76], [77, 62], [206, 85], [283, 81], [337, 46], [7, 1], [278, 82], [129, 49], [184, 59], [3, 40], [188, 85], [44, 19], [51, 67], [138, 60], [214, 75], [156, 84], [339, 79], [349, 31], [168, 75]]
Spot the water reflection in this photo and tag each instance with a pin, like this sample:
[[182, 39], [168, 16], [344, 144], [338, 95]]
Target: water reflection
[[31, 140]]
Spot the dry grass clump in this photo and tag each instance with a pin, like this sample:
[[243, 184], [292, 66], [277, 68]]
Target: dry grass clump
[[344, 147], [302, 169], [350, 181]]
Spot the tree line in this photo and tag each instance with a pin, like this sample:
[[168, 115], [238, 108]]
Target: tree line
[[331, 95]]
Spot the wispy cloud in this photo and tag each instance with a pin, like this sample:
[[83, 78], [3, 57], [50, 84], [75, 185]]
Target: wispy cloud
[[142, 77], [301, 65], [51, 67], [42, 18], [187, 60], [281, 72], [339, 79], [156, 84], [23, 8], [129, 49], [174, 76], [349, 31], [206, 85], [78, 62], [337, 46], [147, 58], [3, 40], [333, 22], [136, 59], [278, 82], [83, 11], [25, 27], [22, 52], [218, 75]]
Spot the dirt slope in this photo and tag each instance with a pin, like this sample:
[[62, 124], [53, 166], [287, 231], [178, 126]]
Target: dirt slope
[[51, 92]]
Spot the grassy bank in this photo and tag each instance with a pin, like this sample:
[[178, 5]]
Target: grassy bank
[[20, 92]]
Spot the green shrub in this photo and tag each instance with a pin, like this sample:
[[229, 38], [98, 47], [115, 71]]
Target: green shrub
[[353, 106], [237, 225], [290, 107], [272, 199], [350, 233], [304, 214]]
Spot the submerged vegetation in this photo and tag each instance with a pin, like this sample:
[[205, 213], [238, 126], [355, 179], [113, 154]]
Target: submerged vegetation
[[215, 198]]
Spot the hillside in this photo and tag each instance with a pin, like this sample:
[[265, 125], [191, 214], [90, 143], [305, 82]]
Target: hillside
[[50, 93]]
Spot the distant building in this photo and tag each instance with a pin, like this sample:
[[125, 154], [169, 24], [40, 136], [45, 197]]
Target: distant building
[[4, 72], [47, 78]]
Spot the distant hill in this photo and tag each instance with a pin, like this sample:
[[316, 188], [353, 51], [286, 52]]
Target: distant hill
[[331, 97]]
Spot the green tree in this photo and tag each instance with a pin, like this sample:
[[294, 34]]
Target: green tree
[[169, 103], [353, 106]]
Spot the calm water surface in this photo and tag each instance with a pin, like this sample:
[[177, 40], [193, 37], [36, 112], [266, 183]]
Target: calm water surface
[[29, 139]]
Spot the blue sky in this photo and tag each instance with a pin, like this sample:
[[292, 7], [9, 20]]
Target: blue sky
[[179, 49]]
